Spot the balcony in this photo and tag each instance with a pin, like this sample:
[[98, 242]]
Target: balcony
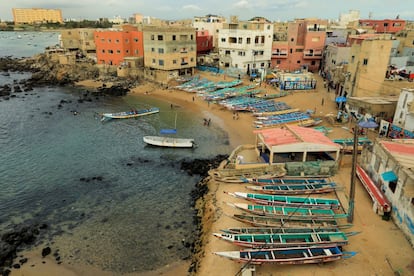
[[280, 54], [312, 54]]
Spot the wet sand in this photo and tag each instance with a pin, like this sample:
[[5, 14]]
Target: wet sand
[[381, 248]]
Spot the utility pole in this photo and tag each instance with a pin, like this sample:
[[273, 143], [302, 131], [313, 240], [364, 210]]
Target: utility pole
[[351, 207]]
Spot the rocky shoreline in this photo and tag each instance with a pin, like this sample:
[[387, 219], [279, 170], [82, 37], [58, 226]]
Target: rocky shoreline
[[44, 72]]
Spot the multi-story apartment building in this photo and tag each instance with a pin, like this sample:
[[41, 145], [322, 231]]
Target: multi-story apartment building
[[368, 63], [204, 42], [113, 46], [390, 26], [31, 16], [169, 52], [246, 45], [81, 39], [335, 63], [210, 23], [404, 113], [303, 47]]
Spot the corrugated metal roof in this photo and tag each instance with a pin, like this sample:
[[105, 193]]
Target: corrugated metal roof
[[288, 135], [402, 150]]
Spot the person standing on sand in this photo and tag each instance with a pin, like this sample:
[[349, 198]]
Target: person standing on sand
[[323, 100]]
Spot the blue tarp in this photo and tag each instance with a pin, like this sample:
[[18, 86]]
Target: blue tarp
[[389, 176], [168, 131]]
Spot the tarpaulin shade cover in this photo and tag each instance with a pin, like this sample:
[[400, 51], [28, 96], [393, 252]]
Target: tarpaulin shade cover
[[389, 176]]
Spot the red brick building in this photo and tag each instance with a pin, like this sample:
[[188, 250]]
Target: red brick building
[[303, 48], [390, 26], [112, 46], [204, 42]]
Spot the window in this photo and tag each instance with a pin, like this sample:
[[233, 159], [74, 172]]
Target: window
[[232, 40], [298, 61], [405, 100], [352, 59], [118, 51], [240, 40], [313, 62], [393, 186], [127, 51], [256, 39], [152, 49], [262, 64], [160, 51], [227, 52], [174, 37], [136, 39], [109, 40], [292, 39], [241, 53], [161, 62], [153, 60], [278, 61], [365, 62], [152, 37], [117, 41], [103, 51], [191, 59], [160, 37], [136, 52], [110, 51], [291, 50], [174, 61], [223, 39], [248, 40], [191, 37]]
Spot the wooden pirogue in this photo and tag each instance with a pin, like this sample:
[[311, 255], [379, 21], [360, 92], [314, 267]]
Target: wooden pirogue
[[298, 255], [306, 202]]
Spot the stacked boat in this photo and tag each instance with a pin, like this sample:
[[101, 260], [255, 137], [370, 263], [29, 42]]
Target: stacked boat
[[287, 229]]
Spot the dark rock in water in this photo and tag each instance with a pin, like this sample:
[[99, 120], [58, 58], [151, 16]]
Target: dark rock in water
[[23, 261], [5, 272], [46, 251], [16, 266], [202, 166]]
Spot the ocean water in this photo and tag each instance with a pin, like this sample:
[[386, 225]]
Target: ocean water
[[109, 199]]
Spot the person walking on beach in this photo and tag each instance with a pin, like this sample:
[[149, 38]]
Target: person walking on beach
[[323, 100]]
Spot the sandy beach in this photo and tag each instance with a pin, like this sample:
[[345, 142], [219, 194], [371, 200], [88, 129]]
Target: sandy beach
[[381, 249]]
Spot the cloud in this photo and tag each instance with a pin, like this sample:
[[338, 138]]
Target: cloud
[[191, 8], [243, 4]]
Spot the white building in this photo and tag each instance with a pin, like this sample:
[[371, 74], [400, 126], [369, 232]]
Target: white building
[[246, 45], [345, 18], [404, 113], [210, 23]]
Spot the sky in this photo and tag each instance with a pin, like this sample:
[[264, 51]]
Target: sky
[[274, 10]]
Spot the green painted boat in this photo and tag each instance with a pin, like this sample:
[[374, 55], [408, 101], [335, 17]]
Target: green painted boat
[[281, 230], [295, 189], [273, 222], [287, 212], [285, 239], [289, 201]]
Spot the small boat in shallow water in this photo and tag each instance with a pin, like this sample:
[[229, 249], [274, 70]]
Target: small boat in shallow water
[[130, 114], [170, 142], [296, 255]]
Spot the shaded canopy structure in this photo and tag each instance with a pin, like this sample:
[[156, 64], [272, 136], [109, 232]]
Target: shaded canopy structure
[[294, 143]]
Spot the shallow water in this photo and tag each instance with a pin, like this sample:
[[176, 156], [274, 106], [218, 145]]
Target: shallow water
[[109, 199]]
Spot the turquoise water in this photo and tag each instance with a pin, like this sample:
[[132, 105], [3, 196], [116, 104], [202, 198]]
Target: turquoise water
[[109, 199]]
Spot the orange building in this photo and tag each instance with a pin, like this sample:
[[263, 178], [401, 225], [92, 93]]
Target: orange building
[[112, 46], [303, 47]]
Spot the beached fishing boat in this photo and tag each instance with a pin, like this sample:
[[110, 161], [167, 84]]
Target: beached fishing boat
[[298, 255], [287, 212], [279, 230], [266, 221], [270, 180], [295, 189], [130, 114], [305, 202], [285, 239]]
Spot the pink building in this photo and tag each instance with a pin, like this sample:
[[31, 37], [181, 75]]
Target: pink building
[[204, 42], [303, 48], [390, 26]]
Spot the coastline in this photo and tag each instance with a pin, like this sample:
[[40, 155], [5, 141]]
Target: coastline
[[381, 248]]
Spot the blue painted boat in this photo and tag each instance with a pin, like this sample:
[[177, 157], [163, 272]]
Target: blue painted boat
[[295, 189]]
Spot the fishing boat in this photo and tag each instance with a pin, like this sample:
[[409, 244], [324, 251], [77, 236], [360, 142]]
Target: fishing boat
[[305, 202], [270, 180], [295, 189], [169, 141], [130, 114], [288, 212], [285, 239], [273, 222], [298, 255], [279, 230], [163, 141]]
